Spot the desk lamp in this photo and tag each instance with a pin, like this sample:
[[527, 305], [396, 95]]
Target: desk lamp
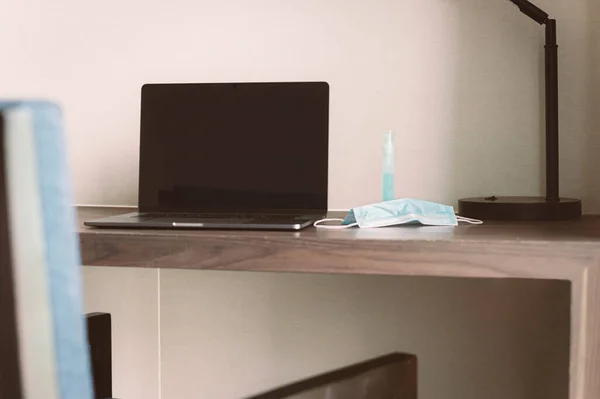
[[551, 207]]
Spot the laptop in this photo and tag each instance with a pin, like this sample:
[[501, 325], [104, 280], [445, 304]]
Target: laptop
[[231, 156]]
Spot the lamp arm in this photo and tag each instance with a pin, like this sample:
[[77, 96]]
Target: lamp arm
[[532, 11]]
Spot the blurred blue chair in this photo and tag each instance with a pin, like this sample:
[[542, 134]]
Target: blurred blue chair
[[44, 350]]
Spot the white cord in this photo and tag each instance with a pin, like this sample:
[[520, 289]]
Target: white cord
[[468, 220], [318, 224]]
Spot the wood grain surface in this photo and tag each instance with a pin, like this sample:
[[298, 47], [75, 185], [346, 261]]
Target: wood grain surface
[[469, 251]]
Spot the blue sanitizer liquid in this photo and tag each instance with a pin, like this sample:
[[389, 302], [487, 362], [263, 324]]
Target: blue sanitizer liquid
[[388, 166], [388, 186]]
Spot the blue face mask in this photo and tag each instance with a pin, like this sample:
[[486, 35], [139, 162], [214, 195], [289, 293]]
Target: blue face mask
[[400, 211]]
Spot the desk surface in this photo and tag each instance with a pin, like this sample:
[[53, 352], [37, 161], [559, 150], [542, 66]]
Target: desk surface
[[549, 250], [489, 250]]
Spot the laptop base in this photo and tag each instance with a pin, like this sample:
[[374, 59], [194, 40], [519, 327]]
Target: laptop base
[[137, 220]]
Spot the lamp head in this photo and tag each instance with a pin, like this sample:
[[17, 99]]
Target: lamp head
[[532, 11]]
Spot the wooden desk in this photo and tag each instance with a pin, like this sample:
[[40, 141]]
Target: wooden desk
[[562, 250]]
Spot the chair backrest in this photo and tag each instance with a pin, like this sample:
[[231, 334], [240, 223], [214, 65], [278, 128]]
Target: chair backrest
[[44, 262], [392, 376], [10, 375]]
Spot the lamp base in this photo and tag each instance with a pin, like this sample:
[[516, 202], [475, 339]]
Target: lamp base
[[519, 208]]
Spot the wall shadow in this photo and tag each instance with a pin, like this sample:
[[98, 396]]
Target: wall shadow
[[474, 338]]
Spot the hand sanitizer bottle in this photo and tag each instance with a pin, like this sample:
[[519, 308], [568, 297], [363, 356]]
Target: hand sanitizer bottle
[[388, 165]]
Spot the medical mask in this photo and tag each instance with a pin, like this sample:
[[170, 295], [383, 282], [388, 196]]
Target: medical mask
[[397, 212]]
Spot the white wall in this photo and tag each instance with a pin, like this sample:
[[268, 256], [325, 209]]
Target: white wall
[[486, 339], [131, 296], [460, 81], [227, 335]]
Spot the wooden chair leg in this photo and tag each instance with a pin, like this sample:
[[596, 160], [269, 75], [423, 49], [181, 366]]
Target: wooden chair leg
[[99, 337]]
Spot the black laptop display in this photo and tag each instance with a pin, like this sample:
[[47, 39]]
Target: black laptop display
[[231, 155]]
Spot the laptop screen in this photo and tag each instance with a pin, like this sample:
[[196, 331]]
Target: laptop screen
[[234, 147]]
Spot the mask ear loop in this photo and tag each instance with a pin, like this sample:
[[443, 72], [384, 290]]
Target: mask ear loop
[[318, 224], [468, 220]]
